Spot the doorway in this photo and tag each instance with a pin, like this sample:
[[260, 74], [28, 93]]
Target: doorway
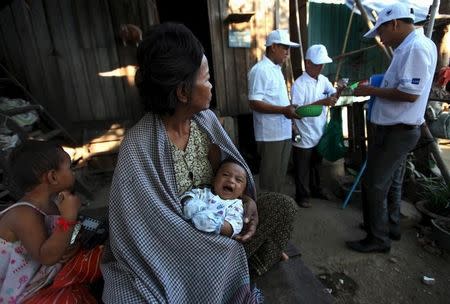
[[195, 17]]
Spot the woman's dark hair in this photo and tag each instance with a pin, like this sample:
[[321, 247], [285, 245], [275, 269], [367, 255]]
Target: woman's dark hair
[[169, 57], [31, 159]]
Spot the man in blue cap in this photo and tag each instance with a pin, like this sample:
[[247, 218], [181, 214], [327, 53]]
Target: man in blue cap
[[397, 114]]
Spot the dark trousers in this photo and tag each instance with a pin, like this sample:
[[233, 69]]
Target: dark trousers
[[274, 162], [307, 179], [382, 182]]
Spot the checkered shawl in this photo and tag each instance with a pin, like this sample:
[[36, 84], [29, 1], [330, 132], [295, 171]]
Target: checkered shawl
[[158, 257]]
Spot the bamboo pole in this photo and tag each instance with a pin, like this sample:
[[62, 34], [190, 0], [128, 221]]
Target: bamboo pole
[[338, 57], [370, 25], [344, 46]]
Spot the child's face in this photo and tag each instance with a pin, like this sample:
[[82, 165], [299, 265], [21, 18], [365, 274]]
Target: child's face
[[230, 181], [64, 174]]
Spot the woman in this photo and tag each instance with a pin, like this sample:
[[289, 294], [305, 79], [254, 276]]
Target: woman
[[155, 255]]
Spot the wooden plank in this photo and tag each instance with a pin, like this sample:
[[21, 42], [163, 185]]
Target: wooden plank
[[143, 14], [230, 70], [217, 50], [60, 22], [55, 28], [107, 59], [109, 99], [50, 74], [148, 13], [96, 101], [11, 44], [84, 26], [4, 193], [30, 60]]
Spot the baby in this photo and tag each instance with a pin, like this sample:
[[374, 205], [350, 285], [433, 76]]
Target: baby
[[218, 210]]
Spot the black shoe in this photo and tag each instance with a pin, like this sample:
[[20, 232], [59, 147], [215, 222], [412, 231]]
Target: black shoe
[[363, 227], [367, 246], [322, 194], [395, 236]]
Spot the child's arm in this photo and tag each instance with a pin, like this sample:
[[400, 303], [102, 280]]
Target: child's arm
[[29, 228], [226, 229], [233, 221]]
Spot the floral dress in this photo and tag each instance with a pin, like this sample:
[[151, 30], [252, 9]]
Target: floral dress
[[20, 276], [192, 167]]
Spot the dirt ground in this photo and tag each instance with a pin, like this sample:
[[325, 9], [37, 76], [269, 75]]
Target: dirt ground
[[320, 233]]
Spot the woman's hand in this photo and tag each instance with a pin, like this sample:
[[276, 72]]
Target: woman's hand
[[250, 220]]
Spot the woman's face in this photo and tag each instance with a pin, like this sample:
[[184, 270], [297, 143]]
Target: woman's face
[[201, 91]]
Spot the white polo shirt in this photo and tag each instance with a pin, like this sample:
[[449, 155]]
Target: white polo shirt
[[411, 71], [307, 90], [266, 83]]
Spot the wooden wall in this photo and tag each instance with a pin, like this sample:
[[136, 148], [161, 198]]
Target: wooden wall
[[58, 48], [231, 65]]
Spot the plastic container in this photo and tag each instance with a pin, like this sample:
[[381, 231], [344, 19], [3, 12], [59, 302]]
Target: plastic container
[[309, 110], [376, 79]]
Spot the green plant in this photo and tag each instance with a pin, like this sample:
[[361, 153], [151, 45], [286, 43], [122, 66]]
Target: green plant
[[437, 195]]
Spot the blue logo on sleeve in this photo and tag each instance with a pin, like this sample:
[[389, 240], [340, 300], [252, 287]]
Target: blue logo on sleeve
[[415, 81]]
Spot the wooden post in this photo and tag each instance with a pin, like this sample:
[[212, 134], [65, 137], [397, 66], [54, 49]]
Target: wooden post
[[297, 17], [370, 25]]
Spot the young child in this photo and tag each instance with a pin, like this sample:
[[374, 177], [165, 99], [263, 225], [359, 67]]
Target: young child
[[218, 210], [36, 232]]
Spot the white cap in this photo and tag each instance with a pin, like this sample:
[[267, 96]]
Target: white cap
[[395, 11], [280, 37], [318, 54]]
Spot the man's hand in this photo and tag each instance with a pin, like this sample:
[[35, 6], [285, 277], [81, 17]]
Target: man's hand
[[363, 90], [250, 220], [329, 101], [289, 112]]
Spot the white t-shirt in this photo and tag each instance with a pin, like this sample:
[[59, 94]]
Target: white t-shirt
[[266, 83], [307, 90], [411, 71]]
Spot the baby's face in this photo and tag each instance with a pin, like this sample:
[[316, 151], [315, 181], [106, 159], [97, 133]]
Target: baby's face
[[230, 181]]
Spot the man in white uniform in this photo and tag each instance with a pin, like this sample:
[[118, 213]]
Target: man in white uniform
[[311, 88], [397, 114], [268, 98]]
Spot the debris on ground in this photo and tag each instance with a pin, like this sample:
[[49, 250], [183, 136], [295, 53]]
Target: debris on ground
[[428, 280]]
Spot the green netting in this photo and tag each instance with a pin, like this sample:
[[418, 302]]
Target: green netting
[[331, 145]]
